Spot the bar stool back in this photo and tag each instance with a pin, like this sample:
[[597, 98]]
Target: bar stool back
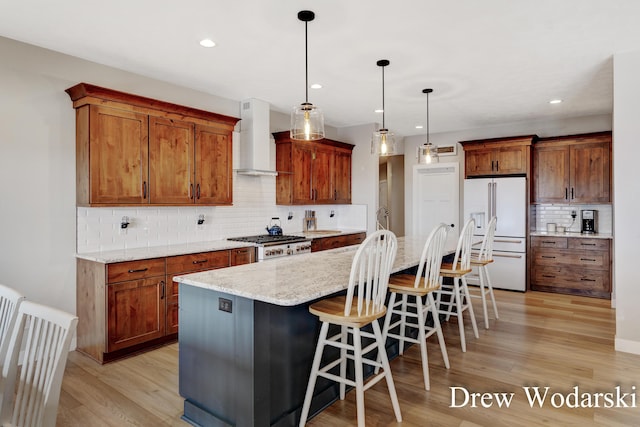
[[482, 278], [369, 276]]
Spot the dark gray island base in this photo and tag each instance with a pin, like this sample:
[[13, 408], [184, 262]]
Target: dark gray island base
[[247, 339]]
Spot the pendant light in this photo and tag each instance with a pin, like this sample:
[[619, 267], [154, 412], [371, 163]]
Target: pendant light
[[427, 152], [307, 122], [383, 142]]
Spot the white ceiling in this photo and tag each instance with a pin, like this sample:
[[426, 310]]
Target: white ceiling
[[489, 62]]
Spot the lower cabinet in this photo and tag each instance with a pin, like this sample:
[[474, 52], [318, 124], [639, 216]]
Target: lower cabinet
[[125, 307], [324, 243], [579, 266]]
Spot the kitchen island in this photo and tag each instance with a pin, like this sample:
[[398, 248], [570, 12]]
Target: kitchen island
[[247, 338]]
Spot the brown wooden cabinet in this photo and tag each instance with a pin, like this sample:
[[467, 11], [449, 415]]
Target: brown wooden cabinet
[[498, 156], [125, 307], [333, 242], [572, 169], [571, 265], [132, 150], [317, 172]]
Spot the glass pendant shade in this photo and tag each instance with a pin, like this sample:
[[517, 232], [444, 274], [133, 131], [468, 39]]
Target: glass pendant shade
[[427, 154], [307, 123], [383, 143]]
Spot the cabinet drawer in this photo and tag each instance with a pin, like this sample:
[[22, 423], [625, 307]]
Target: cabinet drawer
[[572, 278], [241, 256], [133, 270], [197, 262], [595, 260], [589, 244], [549, 242]]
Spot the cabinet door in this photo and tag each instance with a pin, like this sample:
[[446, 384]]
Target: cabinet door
[[323, 177], [118, 156], [301, 164], [242, 256], [214, 182], [136, 312], [171, 168], [342, 189], [590, 173], [478, 163], [551, 174], [510, 160]]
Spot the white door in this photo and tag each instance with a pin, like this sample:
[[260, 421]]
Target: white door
[[436, 198]]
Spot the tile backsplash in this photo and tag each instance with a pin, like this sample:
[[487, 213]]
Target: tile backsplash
[[98, 229], [561, 215]]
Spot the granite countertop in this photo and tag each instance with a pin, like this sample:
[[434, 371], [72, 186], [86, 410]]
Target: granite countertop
[[295, 280], [135, 254], [575, 234]]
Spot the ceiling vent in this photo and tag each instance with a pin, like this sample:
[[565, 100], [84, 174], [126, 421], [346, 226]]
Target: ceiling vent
[[255, 157]]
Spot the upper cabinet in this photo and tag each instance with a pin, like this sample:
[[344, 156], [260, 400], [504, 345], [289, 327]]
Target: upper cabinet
[[498, 156], [312, 172], [132, 150], [572, 169]]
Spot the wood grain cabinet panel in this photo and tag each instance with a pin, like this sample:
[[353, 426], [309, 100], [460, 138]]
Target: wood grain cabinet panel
[[132, 150], [572, 265], [317, 172], [333, 242], [572, 169], [498, 156]]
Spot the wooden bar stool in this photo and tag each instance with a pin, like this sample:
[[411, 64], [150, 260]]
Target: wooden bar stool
[[480, 261], [459, 299], [413, 314], [370, 276]]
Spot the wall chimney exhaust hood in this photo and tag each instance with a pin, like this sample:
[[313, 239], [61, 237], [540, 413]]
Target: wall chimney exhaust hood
[[255, 139]]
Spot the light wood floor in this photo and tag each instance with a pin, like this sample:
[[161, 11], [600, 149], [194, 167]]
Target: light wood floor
[[545, 340]]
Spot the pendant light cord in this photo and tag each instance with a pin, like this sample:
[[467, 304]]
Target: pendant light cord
[[383, 109], [427, 117], [306, 64]]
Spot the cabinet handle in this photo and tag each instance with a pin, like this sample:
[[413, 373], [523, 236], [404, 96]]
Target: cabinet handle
[[144, 189], [191, 191], [497, 165], [587, 280], [507, 256], [566, 193], [198, 191], [548, 242], [548, 276], [335, 194], [200, 261], [138, 271], [508, 241], [587, 244], [162, 289], [242, 251], [587, 259], [572, 193], [549, 257]]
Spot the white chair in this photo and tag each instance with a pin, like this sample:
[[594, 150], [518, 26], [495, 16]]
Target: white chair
[[459, 299], [370, 271], [413, 314], [480, 261], [10, 300], [34, 365]]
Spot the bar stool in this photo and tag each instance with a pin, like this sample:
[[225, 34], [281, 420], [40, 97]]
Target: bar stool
[[370, 271], [481, 260], [420, 286], [459, 298]]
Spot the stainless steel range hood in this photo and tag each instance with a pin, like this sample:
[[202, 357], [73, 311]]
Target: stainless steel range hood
[[257, 149]]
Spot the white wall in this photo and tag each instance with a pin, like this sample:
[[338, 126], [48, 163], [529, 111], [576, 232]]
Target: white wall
[[626, 152], [540, 128]]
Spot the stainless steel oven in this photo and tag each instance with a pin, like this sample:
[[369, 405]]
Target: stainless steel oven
[[276, 246]]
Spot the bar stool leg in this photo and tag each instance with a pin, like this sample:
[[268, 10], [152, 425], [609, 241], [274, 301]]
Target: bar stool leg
[[481, 274], [457, 294], [403, 324], [357, 353], [344, 338], [382, 351], [436, 324], [467, 296], [423, 343], [314, 373], [493, 299]]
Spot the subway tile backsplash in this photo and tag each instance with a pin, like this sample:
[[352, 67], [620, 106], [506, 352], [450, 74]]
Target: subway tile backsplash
[[561, 215], [98, 229]]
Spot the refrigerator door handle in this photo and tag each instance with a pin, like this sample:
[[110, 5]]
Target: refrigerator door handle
[[494, 206]]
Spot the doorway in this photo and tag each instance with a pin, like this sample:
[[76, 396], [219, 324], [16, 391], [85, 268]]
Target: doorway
[[390, 212]]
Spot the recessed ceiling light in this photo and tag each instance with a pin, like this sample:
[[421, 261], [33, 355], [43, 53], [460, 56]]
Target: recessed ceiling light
[[207, 43], [379, 110], [419, 127], [555, 101], [316, 86]]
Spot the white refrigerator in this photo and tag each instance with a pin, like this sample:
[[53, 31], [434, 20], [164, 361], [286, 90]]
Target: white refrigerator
[[505, 198]]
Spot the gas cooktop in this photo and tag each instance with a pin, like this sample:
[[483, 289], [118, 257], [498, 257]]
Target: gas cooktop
[[267, 239]]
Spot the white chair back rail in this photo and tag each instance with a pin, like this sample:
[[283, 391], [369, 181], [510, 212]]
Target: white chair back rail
[[486, 249], [463, 250], [10, 300], [428, 274], [31, 378]]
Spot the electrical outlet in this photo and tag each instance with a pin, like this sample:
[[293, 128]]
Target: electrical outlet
[[225, 305]]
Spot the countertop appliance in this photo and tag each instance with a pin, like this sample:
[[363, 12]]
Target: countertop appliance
[[276, 246], [589, 221], [504, 198]]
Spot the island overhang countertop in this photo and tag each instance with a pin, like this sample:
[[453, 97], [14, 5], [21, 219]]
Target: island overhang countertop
[[290, 281]]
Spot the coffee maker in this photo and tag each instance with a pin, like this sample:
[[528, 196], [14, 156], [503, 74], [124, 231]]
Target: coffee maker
[[589, 221]]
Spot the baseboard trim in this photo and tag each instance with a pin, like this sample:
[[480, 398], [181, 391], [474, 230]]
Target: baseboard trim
[[627, 346]]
